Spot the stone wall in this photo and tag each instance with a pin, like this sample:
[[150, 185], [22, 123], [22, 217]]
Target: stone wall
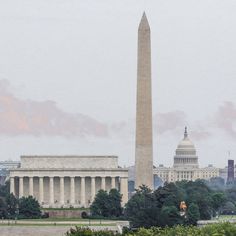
[[64, 213]]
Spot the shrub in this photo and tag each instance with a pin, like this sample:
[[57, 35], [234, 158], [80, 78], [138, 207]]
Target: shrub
[[88, 232], [223, 229]]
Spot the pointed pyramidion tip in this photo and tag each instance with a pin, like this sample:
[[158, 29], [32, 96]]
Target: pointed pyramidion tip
[[144, 25]]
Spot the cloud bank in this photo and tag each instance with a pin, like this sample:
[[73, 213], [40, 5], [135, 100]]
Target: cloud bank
[[27, 117], [45, 118], [169, 121], [225, 118]]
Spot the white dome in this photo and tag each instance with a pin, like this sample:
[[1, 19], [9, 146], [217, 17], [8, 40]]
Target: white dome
[[185, 153], [186, 146], [186, 143]]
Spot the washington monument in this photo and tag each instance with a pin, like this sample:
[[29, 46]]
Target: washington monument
[[143, 148]]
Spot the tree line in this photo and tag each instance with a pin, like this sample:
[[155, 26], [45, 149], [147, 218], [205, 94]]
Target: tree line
[[12, 207], [146, 208]]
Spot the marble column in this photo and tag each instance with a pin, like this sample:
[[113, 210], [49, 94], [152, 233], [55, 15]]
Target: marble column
[[31, 186], [62, 191], [82, 192], [103, 185], [51, 191], [21, 187], [12, 185], [124, 190], [41, 190], [113, 182], [93, 188], [72, 190]]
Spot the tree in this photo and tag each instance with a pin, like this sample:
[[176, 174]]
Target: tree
[[169, 195], [142, 209], [228, 208], [12, 204], [193, 214], [107, 204], [5, 189], [170, 216], [115, 208], [29, 207], [3, 208], [218, 200], [231, 194], [216, 184], [199, 193], [99, 206]]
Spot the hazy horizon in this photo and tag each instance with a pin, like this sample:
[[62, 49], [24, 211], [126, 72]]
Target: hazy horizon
[[68, 77]]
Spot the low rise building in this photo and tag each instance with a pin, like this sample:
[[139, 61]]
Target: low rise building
[[67, 181], [4, 169]]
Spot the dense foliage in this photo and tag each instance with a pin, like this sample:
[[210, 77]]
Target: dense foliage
[[159, 208], [162, 207], [224, 195], [29, 208], [11, 207], [224, 229], [107, 204]]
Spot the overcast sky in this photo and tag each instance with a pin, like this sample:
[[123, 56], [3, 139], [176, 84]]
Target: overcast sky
[[68, 77]]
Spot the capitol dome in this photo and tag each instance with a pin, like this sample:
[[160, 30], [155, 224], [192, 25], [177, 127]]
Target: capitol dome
[[185, 154]]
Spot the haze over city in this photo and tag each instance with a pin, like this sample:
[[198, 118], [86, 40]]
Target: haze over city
[[68, 77]]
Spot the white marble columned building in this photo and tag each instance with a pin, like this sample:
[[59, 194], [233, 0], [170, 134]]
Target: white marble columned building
[[64, 181]]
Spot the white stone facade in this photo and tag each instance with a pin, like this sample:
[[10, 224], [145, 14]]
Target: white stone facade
[[64, 181], [185, 165], [171, 174]]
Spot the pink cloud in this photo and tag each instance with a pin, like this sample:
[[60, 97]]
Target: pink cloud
[[169, 121], [162, 123], [27, 117], [225, 118], [200, 134], [173, 123]]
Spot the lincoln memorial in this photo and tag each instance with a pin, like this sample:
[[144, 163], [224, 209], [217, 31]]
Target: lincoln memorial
[[67, 181]]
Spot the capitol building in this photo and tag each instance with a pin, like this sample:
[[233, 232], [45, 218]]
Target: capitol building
[[186, 165]]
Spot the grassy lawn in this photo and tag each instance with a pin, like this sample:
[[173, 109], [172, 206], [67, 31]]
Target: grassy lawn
[[57, 222], [42, 225], [67, 219], [227, 217]]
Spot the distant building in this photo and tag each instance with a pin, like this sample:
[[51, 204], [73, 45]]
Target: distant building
[[226, 173], [230, 176], [186, 165], [9, 165], [4, 169]]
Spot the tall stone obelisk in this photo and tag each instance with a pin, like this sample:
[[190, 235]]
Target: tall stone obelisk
[[143, 148]]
